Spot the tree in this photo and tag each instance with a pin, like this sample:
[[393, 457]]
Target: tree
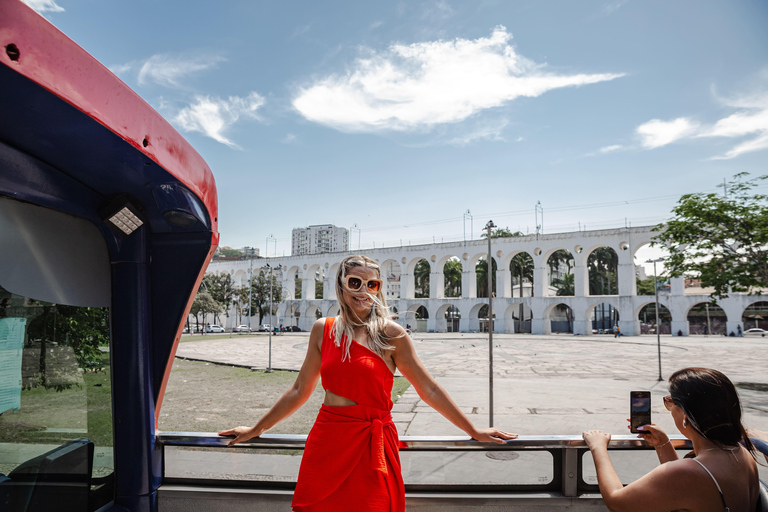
[[501, 233], [318, 287], [481, 269], [230, 253], [603, 264], [556, 260], [564, 285], [720, 239], [204, 305], [645, 286], [522, 267], [221, 288], [421, 279], [260, 294], [452, 272]]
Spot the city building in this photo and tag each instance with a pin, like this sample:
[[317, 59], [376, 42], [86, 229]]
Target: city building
[[319, 239]]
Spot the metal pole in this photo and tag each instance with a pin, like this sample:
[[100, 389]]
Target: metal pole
[[250, 291], [269, 368], [658, 326], [489, 227], [709, 325]]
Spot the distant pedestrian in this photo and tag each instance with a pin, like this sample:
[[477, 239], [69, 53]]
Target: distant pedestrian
[[738, 331], [616, 331]]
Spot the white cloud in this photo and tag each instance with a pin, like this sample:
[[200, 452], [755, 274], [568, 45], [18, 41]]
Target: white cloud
[[611, 7], [485, 131], [44, 5], [213, 116], [169, 71], [657, 133], [611, 149], [421, 85], [289, 138]]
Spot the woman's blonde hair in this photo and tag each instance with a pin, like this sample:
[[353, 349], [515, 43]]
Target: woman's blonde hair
[[376, 322]]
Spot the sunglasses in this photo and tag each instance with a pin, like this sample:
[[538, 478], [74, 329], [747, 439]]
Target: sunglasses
[[668, 402], [355, 284]]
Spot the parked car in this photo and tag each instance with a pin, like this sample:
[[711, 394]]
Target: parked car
[[755, 331], [241, 328], [293, 328], [264, 328], [214, 328]]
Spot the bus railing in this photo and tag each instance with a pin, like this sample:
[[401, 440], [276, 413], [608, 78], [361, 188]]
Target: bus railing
[[566, 470]]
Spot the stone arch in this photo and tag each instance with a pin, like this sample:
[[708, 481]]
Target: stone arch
[[331, 277], [293, 278], [559, 264], [390, 274], [416, 316], [481, 278], [645, 314], [333, 310], [755, 315], [522, 267], [448, 318], [311, 314], [602, 317], [602, 262], [558, 318], [419, 270], [292, 316], [452, 278], [707, 318], [240, 277], [314, 274], [478, 317], [518, 317]]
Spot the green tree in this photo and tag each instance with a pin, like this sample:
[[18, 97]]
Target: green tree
[[645, 286], [521, 266], [565, 285], [481, 269], [556, 261], [720, 239], [501, 233], [318, 288], [260, 294], [452, 272], [230, 253], [421, 279], [603, 264], [204, 305], [221, 287]]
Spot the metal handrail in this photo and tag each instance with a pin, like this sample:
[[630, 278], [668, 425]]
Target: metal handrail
[[417, 443]]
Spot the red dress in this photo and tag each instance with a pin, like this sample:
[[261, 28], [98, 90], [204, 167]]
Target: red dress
[[351, 459]]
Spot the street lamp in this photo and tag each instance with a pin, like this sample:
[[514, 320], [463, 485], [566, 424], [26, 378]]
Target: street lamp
[[266, 245], [353, 228], [658, 327], [490, 227], [271, 318], [471, 225], [250, 288]]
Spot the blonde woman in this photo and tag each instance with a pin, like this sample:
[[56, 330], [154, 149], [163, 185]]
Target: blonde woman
[[351, 459]]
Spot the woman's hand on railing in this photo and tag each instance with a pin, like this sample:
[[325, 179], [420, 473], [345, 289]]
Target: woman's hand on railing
[[596, 439], [241, 434], [491, 435]]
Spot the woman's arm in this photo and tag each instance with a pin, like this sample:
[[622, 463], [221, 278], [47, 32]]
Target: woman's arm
[[665, 488], [292, 399], [657, 438], [433, 393]]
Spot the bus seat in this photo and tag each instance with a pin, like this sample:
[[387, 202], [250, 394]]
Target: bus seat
[[57, 480]]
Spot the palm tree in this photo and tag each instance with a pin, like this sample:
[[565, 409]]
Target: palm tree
[[481, 269], [603, 265], [501, 233], [555, 262], [452, 272], [421, 279], [522, 267]]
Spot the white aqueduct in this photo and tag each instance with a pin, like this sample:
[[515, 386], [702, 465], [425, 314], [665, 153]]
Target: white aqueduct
[[539, 302]]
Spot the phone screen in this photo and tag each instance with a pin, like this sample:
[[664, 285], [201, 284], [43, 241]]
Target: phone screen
[[640, 410]]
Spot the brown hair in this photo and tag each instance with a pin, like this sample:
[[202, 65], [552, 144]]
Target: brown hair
[[712, 405]]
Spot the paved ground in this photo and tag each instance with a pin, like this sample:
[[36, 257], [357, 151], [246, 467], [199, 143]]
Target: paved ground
[[542, 384]]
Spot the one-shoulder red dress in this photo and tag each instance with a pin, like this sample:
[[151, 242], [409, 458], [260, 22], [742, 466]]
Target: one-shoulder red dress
[[351, 460]]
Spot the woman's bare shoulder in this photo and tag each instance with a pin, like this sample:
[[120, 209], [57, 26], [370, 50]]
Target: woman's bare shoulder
[[394, 331]]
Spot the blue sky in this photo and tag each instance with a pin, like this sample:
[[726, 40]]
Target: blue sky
[[401, 116]]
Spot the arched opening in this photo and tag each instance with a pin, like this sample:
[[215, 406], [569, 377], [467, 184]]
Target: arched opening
[[481, 270], [292, 316], [560, 268], [521, 268], [647, 317], [561, 319], [603, 265], [482, 316], [390, 274], [334, 310], [315, 274], [421, 279], [706, 318], [643, 259], [319, 278], [297, 286], [416, 317], [519, 317], [447, 319], [452, 278], [604, 317], [755, 316]]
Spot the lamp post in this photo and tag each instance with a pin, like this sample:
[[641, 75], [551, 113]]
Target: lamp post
[[250, 288], [658, 327], [271, 319], [490, 227], [266, 245], [471, 225]]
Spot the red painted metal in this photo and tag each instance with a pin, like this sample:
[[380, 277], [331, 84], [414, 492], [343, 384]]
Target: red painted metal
[[58, 64]]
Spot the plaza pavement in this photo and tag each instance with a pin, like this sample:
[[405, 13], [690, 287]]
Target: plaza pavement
[[555, 384]]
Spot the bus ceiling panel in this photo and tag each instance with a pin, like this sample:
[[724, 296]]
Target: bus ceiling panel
[[53, 257], [72, 143], [145, 151]]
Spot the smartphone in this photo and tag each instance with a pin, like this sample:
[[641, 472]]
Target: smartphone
[[640, 409]]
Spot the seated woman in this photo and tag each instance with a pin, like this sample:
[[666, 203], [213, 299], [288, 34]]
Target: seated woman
[[722, 476]]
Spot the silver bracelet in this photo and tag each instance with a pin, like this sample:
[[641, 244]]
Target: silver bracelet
[[659, 446]]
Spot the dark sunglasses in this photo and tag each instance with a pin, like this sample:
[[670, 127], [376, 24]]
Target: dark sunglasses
[[355, 284]]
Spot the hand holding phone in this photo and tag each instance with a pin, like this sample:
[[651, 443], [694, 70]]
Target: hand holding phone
[[640, 410]]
